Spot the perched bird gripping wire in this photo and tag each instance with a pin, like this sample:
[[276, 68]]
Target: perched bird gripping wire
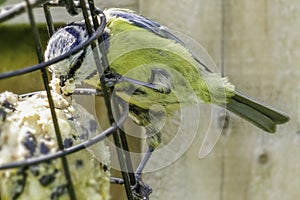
[[150, 66]]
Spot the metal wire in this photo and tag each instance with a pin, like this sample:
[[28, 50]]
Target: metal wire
[[39, 52], [73, 8], [11, 11]]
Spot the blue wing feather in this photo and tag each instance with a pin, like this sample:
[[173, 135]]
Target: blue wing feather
[[146, 23]]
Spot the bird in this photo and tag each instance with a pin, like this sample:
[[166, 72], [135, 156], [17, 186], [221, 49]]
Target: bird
[[27, 132], [150, 66]]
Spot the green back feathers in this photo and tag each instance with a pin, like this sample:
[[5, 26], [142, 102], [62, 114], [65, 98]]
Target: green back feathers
[[134, 51]]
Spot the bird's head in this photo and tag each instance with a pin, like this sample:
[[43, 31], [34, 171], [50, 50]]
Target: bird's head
[[73, 69]]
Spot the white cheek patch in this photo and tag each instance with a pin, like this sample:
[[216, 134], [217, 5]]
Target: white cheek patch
[[63, 41]]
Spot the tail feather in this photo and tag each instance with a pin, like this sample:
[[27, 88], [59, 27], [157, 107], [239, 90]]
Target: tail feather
[[258, 114]]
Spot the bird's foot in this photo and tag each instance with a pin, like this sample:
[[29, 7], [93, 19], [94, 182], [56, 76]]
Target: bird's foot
[[111, 78], [140, 190]]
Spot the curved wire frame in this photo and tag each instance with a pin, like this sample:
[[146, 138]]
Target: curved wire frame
[[73, 8], [11, 11], [64, 152]]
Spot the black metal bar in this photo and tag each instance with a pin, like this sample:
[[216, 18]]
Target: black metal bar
[[35, 33], [49, 19], [125, 162], [51, 103], [101, 67], [128, 160], [121, 148], [125, 147], [93, 14], [122, 136], [123, 166]]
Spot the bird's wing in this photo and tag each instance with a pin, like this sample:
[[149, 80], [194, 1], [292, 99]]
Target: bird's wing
[[155, 27]]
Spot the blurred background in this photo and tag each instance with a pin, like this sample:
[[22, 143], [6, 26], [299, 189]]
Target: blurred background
[[256, 44]]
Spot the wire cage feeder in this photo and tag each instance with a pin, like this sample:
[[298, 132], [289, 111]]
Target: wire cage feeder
[[88, 10]]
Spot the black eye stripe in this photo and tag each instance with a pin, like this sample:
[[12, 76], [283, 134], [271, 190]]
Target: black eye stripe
[[73, 69], [78, 31], [77, 64]]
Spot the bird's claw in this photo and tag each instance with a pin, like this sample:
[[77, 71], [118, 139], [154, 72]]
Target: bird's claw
[[111, 78], [140, 190]]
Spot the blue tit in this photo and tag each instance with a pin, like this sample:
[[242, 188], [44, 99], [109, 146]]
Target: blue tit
[[143, 50]]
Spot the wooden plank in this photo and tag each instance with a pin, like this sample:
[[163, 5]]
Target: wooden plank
[[261, 57]]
